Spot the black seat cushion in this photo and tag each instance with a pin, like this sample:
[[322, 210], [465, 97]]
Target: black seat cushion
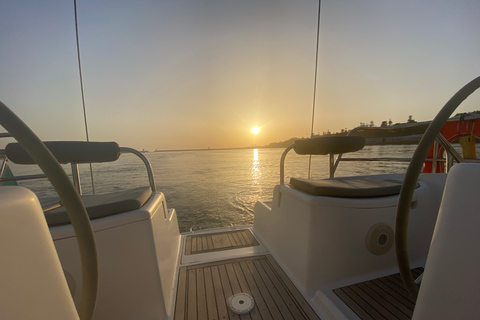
[[348, 187], [102, 205]]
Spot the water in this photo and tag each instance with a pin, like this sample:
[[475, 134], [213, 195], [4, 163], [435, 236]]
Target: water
[[217, 188]]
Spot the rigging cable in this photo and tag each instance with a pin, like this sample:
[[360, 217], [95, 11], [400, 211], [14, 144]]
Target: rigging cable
[[81, 86], [315, 83]]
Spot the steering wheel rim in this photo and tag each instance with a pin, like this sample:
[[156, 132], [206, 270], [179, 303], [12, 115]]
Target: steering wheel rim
[[411, 177], [69, 198]]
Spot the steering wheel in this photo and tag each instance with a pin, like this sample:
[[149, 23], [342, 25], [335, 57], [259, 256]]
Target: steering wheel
[[411, 177], [69, 198]]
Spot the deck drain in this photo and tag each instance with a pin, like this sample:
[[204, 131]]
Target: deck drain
[[241, 303]]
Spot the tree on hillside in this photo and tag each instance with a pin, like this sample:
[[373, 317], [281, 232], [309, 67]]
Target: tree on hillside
[[410, 119]]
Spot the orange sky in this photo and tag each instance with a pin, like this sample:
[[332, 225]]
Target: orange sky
[[199, 74]]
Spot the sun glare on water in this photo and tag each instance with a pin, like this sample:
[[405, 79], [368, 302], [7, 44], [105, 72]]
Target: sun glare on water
[[255, 130]]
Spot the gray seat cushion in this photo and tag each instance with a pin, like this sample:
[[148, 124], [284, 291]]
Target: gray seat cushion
[[68, 152], [348, 188], [101, 205], [329, 145]]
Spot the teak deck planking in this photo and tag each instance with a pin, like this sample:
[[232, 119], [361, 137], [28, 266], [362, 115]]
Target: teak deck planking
[[212, 242], [204, 291], [383, 298]]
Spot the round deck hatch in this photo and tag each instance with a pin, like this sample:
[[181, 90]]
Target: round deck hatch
[[241, 303]]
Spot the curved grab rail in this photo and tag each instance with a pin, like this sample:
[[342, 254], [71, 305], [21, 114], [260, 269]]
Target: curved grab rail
[[75, 173], [329, 145], [451, 153], [282, 163], [148, 166]]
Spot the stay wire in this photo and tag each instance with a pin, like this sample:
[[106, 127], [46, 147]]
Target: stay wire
[[315, 83], [81, 87]]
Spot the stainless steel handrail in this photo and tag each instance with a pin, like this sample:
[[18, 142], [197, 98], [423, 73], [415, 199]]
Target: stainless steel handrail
[[26, 177], [333, 167], [3, 167], [151, 179], [386, 159], [5, 135], [282, 163], [75, 171], [451, 154], [76, 178], [449, 148]]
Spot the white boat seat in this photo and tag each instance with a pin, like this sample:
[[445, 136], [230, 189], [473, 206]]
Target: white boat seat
[[348, 187], [338, 187], [99, 205]]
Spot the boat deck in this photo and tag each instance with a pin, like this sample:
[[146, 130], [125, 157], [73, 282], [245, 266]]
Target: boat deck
[[383, 298], [203, 243], [215, 266], [204, 290]]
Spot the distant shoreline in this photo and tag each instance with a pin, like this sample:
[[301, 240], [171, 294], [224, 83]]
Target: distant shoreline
[[397, 134], [210, 149], [370, 142]]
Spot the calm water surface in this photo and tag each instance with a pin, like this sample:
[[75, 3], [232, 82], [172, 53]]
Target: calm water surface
[[217, 188]]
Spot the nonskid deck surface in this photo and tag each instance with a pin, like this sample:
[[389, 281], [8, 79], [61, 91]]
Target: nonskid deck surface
[[204, 290], [220, 241], [383, 298]]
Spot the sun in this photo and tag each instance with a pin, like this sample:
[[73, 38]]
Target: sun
[[255, 130]]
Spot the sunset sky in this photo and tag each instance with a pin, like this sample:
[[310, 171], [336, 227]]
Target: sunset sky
[[202, 73]]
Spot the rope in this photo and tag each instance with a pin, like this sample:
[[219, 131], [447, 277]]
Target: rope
[[315, 83], [81, 87]]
